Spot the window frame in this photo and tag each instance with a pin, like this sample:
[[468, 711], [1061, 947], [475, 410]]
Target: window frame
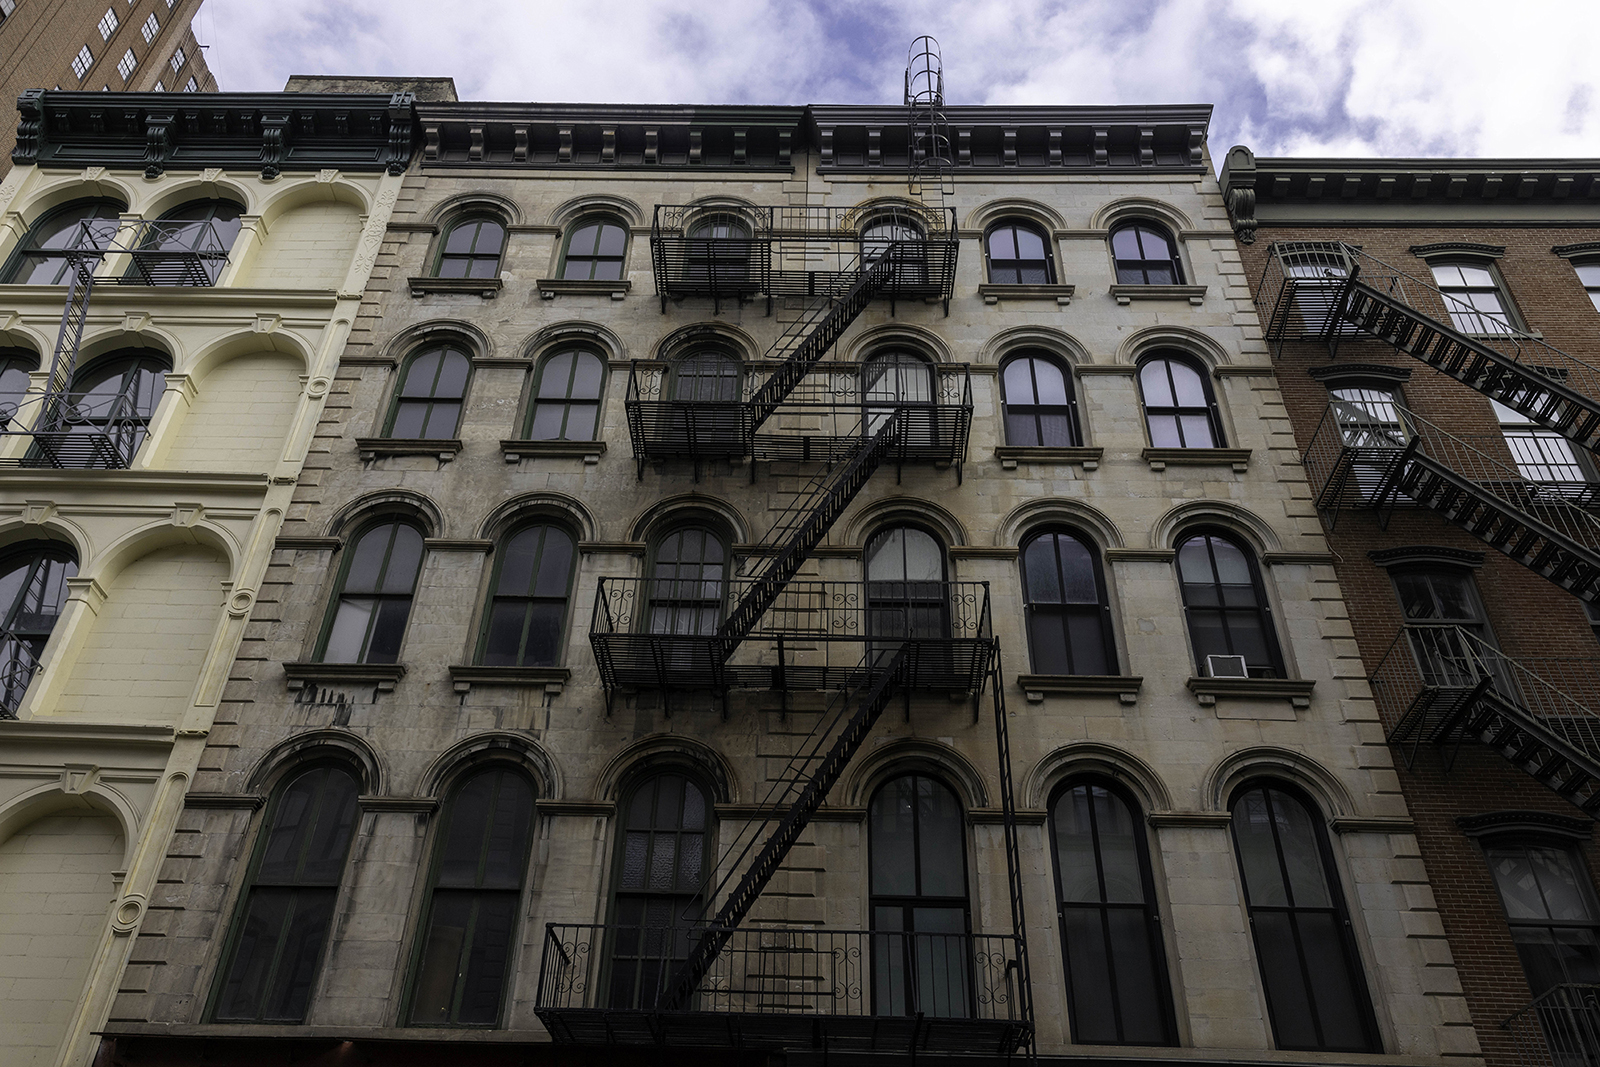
[[1141, 226], [1150, 907], [229, 226], [712, 533], [16, 676], [29, 245], [83, 62], [445, 348], [1038, 411], [341, 582], [25, 362], [1263, 611], [494, 594], [914, 612], [1590, 266], [566, 401], [725, 356], [1333, 881], [593, 257], [471, 256], [1454, 305], [1178, 412], [1019, 265], [1066, 609]]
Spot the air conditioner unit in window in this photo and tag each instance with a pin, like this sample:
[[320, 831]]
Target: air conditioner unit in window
[[1227, 667]]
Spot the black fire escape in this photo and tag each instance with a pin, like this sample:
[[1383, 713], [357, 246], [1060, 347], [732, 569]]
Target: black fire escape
[[758, 985], [1445, 685]]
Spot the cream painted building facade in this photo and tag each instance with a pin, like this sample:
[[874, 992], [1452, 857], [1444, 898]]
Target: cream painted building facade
[[128, 589]]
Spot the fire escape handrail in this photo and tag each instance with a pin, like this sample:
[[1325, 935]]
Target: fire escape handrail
[[16, 672], [1559, 1026]]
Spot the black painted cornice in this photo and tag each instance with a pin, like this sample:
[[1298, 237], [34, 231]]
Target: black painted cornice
[[275, 132]]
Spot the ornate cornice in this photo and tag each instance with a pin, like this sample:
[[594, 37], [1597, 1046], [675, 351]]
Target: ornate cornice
[[1409, 554], [1465, 248]]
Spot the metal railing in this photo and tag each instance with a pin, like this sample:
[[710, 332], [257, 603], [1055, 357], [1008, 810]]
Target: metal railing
[[1560, 1028], [767, 978], [167, 252], [75, 433], [18, 665]]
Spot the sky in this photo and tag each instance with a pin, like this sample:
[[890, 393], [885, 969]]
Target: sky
[[1287, 77]]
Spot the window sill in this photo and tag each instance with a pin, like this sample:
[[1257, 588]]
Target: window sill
[[443, 447], [588, 451], [383, 675], [1010, 455], [484, 287], [1126, 294], [993, 293], [1162, 458], [1295, 690], [465, 676], [1124, 688], [550, 288]]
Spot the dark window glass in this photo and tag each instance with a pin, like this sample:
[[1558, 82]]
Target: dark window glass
[[533, 574], [15, 366], [1069, 622], [1448, 630], [33, 590], [662, 865], [1316, 994], [374, 600], [1472, 297], [288, 907], [708, 375], [1040, 408], [472, 249], [566, 396], [719, 251], [1110, 929], [687, 581], [595, 251], [117, 396], [471, 922], [1226, 605], [1549, 903], [1178, 406], [1018, 255], [82, 225], [906, 590], [1145, 255], [199, 226], [428, 403], [918, 877]]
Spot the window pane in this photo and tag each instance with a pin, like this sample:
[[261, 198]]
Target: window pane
[[1125, 244], [349, 630], [1019, 382], [1039, 567], [387, 630], [1331, 987], [891, 841], [405, 558], [491, 237], [1154, 384], [547, 419], [1076, 863], [939, 840], [441, 958], [1258, 852], [1029, 244], [1519, 888], [588, 371], [517, 560], [1297, 837], [1141, 993], [611, 241], [1284, 982], [1558, 877], [555, 564], [1089, 970], [1047, 641], [1119, 848]]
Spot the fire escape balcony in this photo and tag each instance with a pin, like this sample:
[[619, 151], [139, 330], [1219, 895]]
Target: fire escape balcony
[[811, 637], [823, 418], [1377, 455], [774, 988], [1560, 1028], [1328, 291], [736, 252], [1444, 685]]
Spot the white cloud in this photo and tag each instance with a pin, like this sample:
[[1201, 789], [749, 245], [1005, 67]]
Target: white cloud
[[1402, 77]]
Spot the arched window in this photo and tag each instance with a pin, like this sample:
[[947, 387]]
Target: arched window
[[1040, 409], [208, 227], [528, 610], [472, 248], [1316, 993], [667, 832], [566, 396], [81, 225], [1069, 620], [1226, 607], [117, 396], [428, 402], [918, 877], [471, 921], [688, 577], [907, 594], [33, 590], [1110, 928], [1019, 254], [897, 379], [15, 366], [595, 250], [1145, 255], [719, 251], [900, 237], [1178, 406], [375, 590], [707, 375], [270, 967]]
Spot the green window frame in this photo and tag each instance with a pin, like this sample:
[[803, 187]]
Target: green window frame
[[472, 248], [469, 928], [285, 912], [433, 387], [39, 259], [525, 620], [377, 581], [595, 250], [566, 396]]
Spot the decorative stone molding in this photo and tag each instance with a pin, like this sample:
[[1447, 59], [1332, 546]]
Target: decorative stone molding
[[1126, 294], [1296, 690], [1586, 248], [603, 809], [551, 679], [1190, 820], [445, 448], [1409, 554], [1457, 248], [550, 288], [382, 675], [1162, 458], [517, 450], [398, 805], [1124, 687], [484, 287], [308, 544], [993, 293], [1011, 455], [223, 801]]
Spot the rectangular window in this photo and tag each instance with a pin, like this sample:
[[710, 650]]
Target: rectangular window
[[191, 86], [82, 61], [1473, 298], [178, 60], [1589, 275], [108, 24], [160, 88], [150, 29], [126, 64], [6, 8]]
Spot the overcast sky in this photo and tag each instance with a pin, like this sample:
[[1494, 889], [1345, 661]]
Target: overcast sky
[[1288, 77]]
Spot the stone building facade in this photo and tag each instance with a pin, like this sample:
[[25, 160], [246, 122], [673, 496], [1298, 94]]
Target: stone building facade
[[150, 449], [494, 706], [1487, 273]]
